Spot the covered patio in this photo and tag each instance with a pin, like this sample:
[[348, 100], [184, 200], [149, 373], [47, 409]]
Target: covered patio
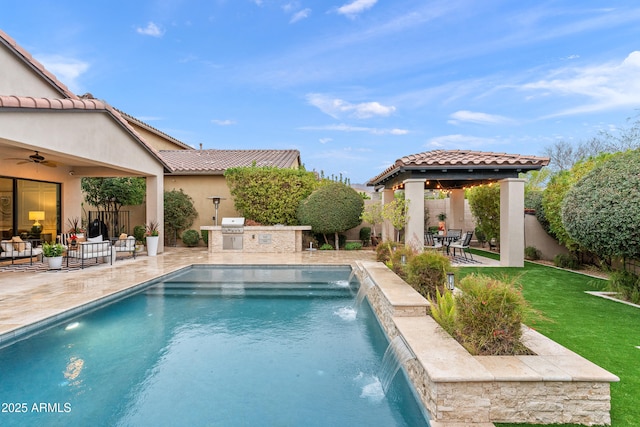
[[454, 171], [50, 138]]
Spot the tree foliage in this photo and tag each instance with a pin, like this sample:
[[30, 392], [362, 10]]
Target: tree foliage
[[555, 193], [396, 212], [484, 202], [601, 211], [110, 194], [373, 215], [269, 195], [179, 212], [332, 208]]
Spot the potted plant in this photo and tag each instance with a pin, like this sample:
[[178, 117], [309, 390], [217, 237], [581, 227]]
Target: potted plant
[[153, 237], [53, 253], [75, 227], [442, 225]]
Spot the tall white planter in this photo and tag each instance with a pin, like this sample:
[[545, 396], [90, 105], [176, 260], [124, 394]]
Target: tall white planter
[[152, 245]]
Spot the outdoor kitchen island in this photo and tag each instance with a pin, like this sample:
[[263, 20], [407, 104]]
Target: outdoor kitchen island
[[233, 236]]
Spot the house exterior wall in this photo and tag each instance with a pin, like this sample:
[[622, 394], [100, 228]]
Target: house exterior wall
[[20, 80], [199, 187]]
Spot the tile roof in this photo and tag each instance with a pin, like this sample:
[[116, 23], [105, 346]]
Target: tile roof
[[461, 159], [36, 65], [158, 132], [215, 162]]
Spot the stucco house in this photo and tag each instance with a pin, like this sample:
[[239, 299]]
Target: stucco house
[[50, 138]]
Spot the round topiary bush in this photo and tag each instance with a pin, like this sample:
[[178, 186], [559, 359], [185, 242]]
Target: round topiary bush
[[331, 209], [191, 238]]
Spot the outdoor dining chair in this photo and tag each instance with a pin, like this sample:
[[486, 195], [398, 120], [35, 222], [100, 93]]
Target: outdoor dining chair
[[462, 244], [430, 243]]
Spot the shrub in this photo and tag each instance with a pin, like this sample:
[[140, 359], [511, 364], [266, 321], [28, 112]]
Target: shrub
[[326, 247], [205, 237], [384, 250], [179, 213], [365, 235], [443, 310], [566, 261], [531, 253], [626, 284], [139, 233], [489, 316], [601, 212], [191, 238], [353, 246], [395, 261], [269, 195], [427, 273], [484, 202]]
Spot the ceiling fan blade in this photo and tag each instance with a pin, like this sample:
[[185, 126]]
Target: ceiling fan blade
[[49, 164], [22, 162]]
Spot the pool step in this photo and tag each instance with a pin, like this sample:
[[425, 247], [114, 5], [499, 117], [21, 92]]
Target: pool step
[[252, 289]]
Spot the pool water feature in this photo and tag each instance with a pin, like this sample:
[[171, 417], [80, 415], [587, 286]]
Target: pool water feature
[[231, 346]]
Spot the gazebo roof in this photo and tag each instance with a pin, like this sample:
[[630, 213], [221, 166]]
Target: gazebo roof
[[449, 169]]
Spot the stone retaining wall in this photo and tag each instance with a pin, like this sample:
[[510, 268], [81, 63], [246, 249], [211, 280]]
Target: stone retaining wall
[[554, 386]]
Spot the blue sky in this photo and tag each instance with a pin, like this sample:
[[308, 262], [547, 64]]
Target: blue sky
[[352, 84]]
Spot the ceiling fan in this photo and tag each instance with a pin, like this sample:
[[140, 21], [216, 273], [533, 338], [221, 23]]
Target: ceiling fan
[[37, 159]]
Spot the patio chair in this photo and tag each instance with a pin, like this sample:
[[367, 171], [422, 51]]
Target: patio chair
[[430, 243], [454, 232], [462, 244]]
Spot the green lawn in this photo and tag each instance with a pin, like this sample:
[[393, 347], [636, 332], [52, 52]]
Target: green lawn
[[603, 331]]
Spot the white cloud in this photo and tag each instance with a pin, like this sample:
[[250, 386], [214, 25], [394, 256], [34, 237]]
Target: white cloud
[[476, 117], [607, 86], [348, 128], [337, 108], [354, 8], [150, 30], [225, 122], [325, 140], [459, 141], [67, 70], [300, 15]]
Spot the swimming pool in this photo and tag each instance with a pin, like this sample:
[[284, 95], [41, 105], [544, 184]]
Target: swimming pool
[[221, 346]]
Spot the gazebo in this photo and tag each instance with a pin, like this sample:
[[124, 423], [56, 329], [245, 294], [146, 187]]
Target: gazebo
[[454, 171]]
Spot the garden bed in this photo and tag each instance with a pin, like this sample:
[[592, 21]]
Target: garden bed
[[554, 386]]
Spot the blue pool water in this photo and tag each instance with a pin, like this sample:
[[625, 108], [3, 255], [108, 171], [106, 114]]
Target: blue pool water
[[230, 346]]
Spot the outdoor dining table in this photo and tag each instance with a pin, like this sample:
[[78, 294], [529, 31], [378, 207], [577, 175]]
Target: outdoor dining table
[[445, 239]]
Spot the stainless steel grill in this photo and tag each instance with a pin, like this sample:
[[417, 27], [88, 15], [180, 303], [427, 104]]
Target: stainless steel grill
[[232, 230]]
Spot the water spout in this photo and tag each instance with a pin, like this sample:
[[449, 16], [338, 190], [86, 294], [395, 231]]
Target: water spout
[[363, 290], [396, 355]]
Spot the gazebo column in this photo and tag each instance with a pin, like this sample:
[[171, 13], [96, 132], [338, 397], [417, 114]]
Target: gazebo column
[[387, 227], [512, 222], [456, 204], [414, 230]]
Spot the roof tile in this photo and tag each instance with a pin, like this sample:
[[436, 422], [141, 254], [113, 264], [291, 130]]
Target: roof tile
[[217, 161]]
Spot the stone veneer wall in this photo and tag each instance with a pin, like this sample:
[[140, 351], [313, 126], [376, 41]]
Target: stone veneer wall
[[260, 239], [554, 386]]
